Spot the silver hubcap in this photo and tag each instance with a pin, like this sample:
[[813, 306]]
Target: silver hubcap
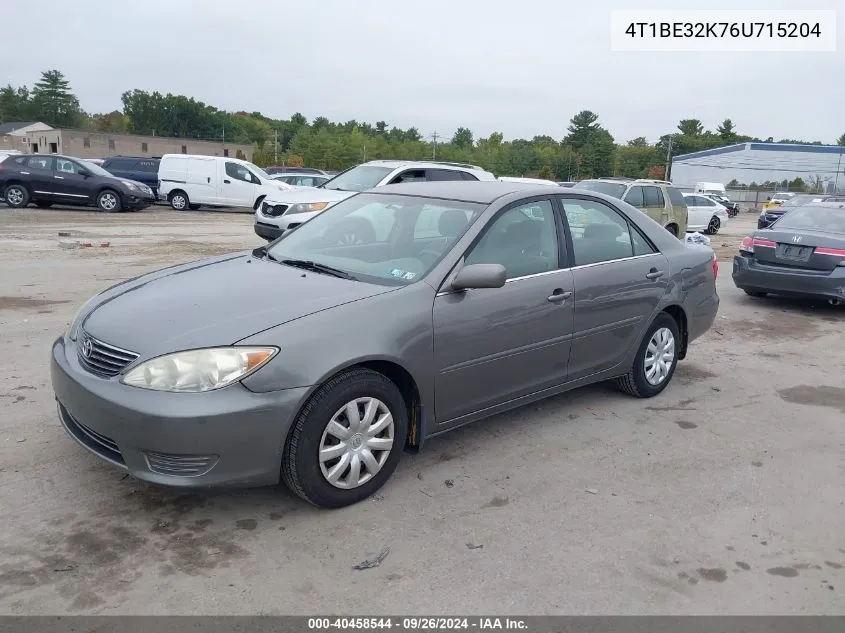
[[356, 443], [14, 196], [659, 356], [108, 201], [178, 202]]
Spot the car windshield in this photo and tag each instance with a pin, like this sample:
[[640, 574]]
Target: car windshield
[[95, 169], [615, 189], [814, 218], [385, 239], [358, 178]]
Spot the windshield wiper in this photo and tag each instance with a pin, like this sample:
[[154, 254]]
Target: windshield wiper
[[318, 268]]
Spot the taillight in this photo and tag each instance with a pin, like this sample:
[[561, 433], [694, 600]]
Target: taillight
[[836, 252], [715, 266], [748, 243]]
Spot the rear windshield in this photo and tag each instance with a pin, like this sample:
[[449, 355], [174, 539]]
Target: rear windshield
[[814, 218], [614, 189]]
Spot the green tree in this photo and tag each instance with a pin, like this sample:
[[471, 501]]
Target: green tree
[[53, 102], [841, 140], [581, 129], [15, 104], [690, 127], [463, 138], [640, 141], [727, 131]]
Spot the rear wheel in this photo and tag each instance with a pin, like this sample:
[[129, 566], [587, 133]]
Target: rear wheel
[[656, 359], [109, 201], [714, 226], [672, 229], [179, 200], [346, 440], [755, 293], [17, 196]]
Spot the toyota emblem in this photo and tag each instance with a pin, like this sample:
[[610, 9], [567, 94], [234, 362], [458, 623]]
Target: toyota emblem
[[87, 347]]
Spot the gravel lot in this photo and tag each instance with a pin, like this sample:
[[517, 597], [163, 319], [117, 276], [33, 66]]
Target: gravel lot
[[723, 495]]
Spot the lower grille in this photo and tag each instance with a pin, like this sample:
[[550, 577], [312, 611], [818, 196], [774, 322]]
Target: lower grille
[[96, 442], [273, 211], [101, 358], [180, 465]]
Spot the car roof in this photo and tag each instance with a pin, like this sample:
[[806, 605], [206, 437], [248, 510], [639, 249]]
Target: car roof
[[824, 204], [481, 191], [434, 164]]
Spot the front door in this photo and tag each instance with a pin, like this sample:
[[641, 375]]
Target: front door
[[239, 185], [494, 345], [619, 278], [70, 186]]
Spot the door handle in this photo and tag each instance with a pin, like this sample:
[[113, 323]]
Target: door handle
[[559, 295], [228, 182], [59, 177], [654, 274]]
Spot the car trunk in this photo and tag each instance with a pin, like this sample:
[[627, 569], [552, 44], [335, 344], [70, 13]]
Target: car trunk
[[806, 250]]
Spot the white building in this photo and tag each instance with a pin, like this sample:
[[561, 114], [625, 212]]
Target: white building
[[761, 162], [13, 134]]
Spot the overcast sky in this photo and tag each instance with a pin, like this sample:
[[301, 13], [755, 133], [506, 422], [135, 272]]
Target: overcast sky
[[521, 67]]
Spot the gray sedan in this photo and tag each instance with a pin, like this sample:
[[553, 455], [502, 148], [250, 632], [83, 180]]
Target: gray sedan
[[318, 362]]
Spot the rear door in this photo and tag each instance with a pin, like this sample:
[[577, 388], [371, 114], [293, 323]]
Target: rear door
[[239, 185], [39, 175], [619, 278], [695, 212], [655, 205]]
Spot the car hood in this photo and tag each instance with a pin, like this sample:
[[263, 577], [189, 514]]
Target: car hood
[[308, 195], [217, 301]]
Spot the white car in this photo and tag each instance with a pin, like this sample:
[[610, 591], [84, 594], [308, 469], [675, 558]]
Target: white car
[[528, 181], [286, 210], [705, 214], [188, 181]]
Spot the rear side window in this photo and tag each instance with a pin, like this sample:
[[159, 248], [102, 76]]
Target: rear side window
[[676, 197], [40, 162], [653, 197], [634, 197], [443, 174], [467, 176]]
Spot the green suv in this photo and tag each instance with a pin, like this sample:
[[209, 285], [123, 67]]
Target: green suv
[[658, 199]]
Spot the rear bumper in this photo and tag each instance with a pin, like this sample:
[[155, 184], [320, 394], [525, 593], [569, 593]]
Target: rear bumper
[[792, 283]]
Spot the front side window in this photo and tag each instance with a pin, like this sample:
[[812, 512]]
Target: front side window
[[601, 234], [409, 175], [239, 172], [393, 240], [66, 166], [523, 239]]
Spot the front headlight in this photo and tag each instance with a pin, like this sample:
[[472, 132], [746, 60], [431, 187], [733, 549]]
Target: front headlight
[[307, 207], [199, 370], [130, 185]]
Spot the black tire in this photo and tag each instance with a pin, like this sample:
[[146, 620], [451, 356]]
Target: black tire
[[108, 201], [179, 200], [755, 293], [714, 226], [635, 382], [195, 207], [43, 205], [300, 464], [672, 229], [19, 196]]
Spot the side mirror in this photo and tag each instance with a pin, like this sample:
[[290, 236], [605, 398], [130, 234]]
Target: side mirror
[[84, 173], [479, 276]]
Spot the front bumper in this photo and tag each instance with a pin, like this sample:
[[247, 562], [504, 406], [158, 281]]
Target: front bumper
[[267, 231], [227, 437], [755, 277]]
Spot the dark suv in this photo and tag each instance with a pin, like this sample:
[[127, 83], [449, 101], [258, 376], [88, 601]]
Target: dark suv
[[48, 179], [142, 169]]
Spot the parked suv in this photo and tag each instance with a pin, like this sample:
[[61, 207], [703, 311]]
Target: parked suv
[[288, 209], [658, 199], [142, 169], [48, 179]]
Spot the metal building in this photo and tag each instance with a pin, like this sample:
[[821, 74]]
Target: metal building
[[762, 162]]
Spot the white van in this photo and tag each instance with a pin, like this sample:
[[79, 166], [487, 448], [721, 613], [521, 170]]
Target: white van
[[711, 187], [188, 181]]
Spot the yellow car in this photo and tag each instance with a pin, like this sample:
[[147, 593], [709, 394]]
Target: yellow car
[[777, 200]]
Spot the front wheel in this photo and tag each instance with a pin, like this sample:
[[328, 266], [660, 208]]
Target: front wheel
[[179, 201], [656, 359], [16, 196], [109, 201], [346, 440]]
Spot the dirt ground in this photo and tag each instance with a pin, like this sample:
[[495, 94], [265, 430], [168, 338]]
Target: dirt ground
[[723, 495]]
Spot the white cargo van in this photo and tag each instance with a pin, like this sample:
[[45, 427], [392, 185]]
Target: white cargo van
[[711, 187], [190, 181]]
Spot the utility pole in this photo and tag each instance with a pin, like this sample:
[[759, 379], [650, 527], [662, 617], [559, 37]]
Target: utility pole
[[434, 146], [669, 158]]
